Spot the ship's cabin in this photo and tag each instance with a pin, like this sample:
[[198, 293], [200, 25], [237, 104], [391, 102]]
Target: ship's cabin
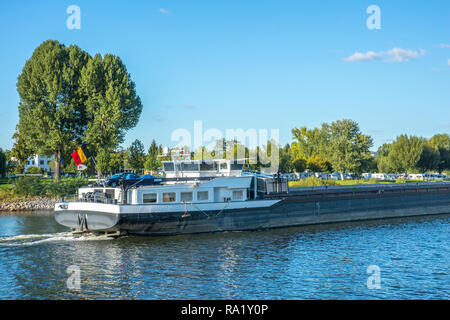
[[223, 189], [203, 168], [190, 181]]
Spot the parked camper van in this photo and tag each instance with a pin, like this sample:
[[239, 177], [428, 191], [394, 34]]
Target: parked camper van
[[380, 176]]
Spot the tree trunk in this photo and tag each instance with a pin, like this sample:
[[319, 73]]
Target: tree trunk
[[21, 166], [92, 167], [57, 176], [342, 176]]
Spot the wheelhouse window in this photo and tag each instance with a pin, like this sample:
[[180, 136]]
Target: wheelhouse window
[[186, 196], [206, 166], [169, 197], [237, 195], [237, 166], [190, 166], [149, 198], [223, 166], [168, 166], [202, 195]]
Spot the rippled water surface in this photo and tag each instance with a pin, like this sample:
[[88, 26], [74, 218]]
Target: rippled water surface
[[322, 262]]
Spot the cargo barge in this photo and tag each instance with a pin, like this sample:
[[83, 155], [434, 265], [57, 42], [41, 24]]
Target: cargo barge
[[217, 195]]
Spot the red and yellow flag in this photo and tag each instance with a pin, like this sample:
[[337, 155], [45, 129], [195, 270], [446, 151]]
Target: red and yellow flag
[[80, 155], [76, 158]]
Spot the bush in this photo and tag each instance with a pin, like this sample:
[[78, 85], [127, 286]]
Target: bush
[[34, 170], [36, 186], [28, 186], [65, 187], [313, 182]]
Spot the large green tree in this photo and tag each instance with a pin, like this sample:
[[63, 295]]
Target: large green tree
[[67, 97], [406, 153], [348, 147], [318, 164], [414, 154], [112, 106], [429, 159], [116, 161], [383, 163], [340, 143], [135, 156], [286, 159], [51, 107], [20, 152], [299, 165], [310, 142], [441, 142], [151, 160]]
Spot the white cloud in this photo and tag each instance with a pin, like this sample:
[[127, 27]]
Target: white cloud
[[393, 55], [358, 56], [444, 45], [401, 55], [164, 11]]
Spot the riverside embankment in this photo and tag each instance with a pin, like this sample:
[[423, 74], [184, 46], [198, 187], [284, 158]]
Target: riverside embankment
[[35, 193], [28, 205]]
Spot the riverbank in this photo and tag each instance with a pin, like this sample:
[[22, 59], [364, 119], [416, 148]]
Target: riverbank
[[33, 204], [35, 193]]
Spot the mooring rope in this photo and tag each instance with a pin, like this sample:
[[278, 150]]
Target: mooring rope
[[209, 217]]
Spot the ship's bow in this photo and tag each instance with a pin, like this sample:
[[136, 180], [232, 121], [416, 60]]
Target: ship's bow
[[87, 216]]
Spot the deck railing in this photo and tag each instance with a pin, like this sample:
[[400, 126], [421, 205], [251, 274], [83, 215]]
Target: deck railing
[[92, 198]]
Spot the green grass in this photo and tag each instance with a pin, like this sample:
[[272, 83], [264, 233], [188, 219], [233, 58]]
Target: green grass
[[316, 182]]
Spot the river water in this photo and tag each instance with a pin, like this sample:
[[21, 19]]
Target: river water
[[393, 259]]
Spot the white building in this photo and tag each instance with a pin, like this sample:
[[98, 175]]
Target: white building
[[38, 161]]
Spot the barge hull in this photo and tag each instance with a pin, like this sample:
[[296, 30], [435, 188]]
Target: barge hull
[[275, 211], [295, 210]]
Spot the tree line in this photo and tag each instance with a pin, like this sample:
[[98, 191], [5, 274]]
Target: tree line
[[336, 147], [341, 147], [411, 154], [68, 97]]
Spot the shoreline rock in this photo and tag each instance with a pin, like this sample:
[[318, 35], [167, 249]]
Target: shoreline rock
[[29, 205]]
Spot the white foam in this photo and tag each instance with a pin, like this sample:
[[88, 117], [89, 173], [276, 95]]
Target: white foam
[[33, 236], [34, 239]]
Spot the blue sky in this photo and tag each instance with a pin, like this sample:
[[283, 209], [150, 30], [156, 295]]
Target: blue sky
[[253, 64]]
